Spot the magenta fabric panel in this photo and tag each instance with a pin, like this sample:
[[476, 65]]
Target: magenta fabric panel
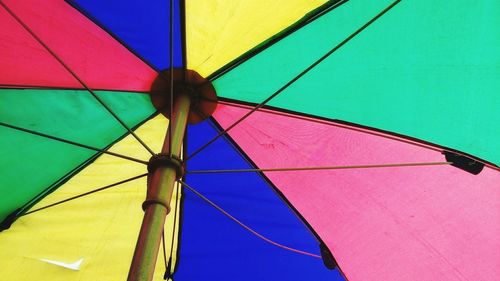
[[98, 59], [405, 223]]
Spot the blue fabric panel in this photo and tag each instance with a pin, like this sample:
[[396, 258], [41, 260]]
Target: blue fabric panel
[[142, 26], [213, 247]]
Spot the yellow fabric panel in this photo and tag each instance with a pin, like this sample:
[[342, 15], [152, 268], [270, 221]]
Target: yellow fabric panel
[[219, 31], [101, 228]]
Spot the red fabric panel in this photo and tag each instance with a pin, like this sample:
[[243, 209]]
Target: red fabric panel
[[405, 223], [98, 59], [25, 62]]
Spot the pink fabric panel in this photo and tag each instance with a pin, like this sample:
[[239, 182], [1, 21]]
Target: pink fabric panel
[[97, 58], [406, 223]]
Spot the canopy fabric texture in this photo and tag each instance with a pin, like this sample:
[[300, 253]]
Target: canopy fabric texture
[[359, 133]]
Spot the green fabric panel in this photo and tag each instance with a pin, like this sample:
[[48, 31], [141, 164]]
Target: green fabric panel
[[28, 163], [426, 69]]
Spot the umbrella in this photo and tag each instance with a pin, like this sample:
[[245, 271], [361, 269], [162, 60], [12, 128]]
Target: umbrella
[[350, 140]]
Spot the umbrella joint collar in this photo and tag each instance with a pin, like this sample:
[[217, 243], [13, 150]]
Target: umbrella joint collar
[[165, 160], [463, 162], [148, 202], [9, 220]]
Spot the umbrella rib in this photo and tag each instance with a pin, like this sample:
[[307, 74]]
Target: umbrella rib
[[175, 226], [28, 29], [330, 122], [244, 225], [357, 128], [84, 194], [171, 77], [164, 250], [308, 18], [182, 16], [293, 80], [170, 136], [319, 168], [73, 143], [38, 87]]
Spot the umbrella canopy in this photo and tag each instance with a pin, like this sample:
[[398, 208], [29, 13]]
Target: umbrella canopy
[[359, 135]]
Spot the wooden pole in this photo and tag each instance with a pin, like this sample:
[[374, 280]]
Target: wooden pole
[[161, 181]]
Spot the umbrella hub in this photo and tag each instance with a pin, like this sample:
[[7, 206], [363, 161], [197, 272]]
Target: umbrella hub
[[185, 82]]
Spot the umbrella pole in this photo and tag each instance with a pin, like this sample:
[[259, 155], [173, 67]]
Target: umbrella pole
[[164, 170]]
